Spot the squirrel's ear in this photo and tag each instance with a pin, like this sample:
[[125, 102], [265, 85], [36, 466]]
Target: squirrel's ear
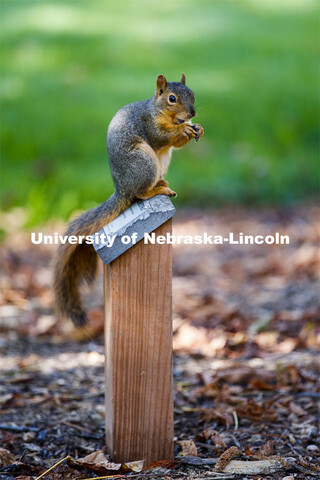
[[183, 79], [161, 84]]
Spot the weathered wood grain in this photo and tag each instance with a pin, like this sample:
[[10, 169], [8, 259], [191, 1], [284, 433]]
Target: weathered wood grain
[[138, 341]]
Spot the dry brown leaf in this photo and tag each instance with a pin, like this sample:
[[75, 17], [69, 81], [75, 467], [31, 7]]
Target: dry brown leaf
[[168, 464], [188, 448], [214, 437], [135, 466], [297, 409], [22, 468], [210, 390], [303, 462], [98, 463], [243, 374], [309, 466], [5, 398], [259, 384], [24, 378], [294, 374], [247, 450], [221, 415], [226, 457], [267, 449], [44, 325], [256, 412], [6, 457], [24, 477]]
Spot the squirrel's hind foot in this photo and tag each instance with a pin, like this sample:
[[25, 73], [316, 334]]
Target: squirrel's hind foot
[[162, 183], [157, 190]]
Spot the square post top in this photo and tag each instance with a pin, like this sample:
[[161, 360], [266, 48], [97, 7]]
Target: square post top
[[143, 216]]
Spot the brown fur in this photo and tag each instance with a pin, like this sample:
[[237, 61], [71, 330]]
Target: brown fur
[[76, 264], [140, 140]]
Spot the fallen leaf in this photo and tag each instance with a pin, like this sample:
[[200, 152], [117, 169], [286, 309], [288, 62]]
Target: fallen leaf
[[266, 450], [308, 465], [259, 384], [240, 374], [24, 477], [136, 466], [188, 448], [5, 398], [255, 412], [297, 409], [223, 416], [168, 464], [214, 437], [96, 462], [293, 374], [6, 457], [19, 468], [226, 457], [247, 450], [44, 325]]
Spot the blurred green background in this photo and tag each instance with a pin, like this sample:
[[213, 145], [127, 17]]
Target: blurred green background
[[68, 66]]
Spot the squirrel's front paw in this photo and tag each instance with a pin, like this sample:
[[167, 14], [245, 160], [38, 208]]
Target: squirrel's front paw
[[198, 129], [188, 131]]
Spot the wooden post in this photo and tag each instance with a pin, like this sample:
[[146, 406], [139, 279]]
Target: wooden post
[[138, 345]]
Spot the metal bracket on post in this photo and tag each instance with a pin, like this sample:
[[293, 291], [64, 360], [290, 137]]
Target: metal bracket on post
[[138, 333]]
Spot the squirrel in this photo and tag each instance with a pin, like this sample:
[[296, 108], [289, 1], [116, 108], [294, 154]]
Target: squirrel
[[140, 140]]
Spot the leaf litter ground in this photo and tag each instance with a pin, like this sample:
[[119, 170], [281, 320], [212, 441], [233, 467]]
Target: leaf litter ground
[[246, 366]]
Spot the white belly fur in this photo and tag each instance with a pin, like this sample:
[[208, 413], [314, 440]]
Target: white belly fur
[[164, 160]]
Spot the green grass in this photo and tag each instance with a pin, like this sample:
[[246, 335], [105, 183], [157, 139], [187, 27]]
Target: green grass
[[68, 66]]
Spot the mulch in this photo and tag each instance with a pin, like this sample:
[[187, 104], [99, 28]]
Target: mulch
[[246, 355]]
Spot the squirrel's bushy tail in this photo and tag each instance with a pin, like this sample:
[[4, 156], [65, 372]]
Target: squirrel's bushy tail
[[75, 264]]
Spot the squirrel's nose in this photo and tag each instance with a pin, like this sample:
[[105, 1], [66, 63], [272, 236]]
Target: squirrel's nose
[[192, 112]]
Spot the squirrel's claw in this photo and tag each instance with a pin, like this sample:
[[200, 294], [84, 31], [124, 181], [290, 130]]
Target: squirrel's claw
[[172, 194], [199, 131]]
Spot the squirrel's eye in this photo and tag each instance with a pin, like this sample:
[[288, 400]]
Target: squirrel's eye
[[172, 99]]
